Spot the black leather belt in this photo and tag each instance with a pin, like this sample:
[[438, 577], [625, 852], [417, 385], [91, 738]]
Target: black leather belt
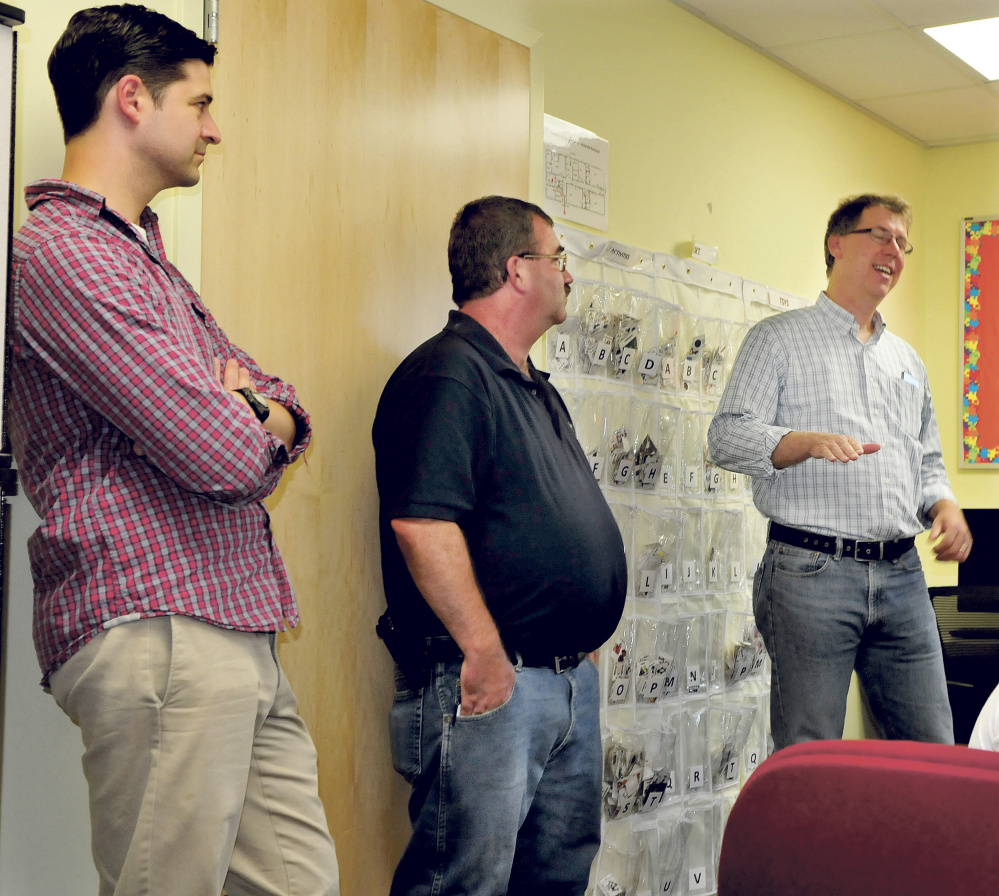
[[841, 547], [443, 648], [558, 664]]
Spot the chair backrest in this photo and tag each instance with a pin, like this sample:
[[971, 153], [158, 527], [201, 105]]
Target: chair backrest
[[865, 818], [968, 622]]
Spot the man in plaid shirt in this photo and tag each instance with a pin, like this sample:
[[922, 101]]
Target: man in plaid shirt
[[147, 442], [831, 415]]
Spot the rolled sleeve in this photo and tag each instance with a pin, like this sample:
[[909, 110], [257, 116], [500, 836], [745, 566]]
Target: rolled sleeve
[[934, 482], [742, 435]]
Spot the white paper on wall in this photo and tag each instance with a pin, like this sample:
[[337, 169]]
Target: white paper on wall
[[576, 168]]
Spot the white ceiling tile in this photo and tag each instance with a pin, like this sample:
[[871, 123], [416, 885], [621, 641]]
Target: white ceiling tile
[[873, 53], [925, 13], [875, 65], [771, 23], [942, 117]]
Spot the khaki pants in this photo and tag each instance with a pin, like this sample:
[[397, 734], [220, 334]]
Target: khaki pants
[[201, 773]]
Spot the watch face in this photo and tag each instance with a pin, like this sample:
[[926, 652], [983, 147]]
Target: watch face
[[257, 403]]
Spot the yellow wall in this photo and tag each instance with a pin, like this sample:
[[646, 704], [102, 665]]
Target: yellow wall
[[712, 141]]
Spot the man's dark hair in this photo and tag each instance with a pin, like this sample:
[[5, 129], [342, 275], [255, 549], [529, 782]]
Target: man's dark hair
[[847, 216], [103, 44], [485, 233]]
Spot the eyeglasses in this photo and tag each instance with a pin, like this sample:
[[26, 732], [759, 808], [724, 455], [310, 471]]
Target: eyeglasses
[[883, 237], [561, 259]]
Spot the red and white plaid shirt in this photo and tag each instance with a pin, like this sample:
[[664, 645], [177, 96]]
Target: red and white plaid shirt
[[113, 349]]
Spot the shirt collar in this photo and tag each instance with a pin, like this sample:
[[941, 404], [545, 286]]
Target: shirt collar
[[89, 203], [844, 319], [486, 345]]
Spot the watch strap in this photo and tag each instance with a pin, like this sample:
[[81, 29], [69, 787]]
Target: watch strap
[[256, 401]]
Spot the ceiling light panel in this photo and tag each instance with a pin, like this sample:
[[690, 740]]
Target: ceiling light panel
[[973, 42]]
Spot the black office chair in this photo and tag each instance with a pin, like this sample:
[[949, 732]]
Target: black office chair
[[968, 621]]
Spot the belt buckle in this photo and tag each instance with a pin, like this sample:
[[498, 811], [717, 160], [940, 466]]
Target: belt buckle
[[570, 660], [880, 556]]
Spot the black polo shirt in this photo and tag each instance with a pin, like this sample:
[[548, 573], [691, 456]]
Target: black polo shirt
[[462, 435]]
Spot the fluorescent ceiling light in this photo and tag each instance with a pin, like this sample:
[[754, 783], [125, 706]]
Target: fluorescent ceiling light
[[974, 42]]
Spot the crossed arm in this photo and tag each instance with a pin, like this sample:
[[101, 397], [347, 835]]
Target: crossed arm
[[121, 351], [279, 421]]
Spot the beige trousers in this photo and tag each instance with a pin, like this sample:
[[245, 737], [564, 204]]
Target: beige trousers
[[201, 773]]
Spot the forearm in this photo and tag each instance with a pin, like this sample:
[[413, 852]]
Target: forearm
[[437, 558], [743, 444], [944, 505], [281, 423], [797, 447], [287, 420], [120, 354], [791, 450]]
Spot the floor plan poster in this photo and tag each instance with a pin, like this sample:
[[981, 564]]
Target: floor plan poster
[[980, 388], [575, 174]]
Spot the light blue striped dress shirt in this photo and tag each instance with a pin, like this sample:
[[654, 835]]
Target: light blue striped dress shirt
[[806, 370]]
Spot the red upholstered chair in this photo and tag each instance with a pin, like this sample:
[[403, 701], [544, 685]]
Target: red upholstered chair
[[865, 818]]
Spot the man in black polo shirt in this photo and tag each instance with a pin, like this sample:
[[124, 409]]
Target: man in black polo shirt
[[503, 567]]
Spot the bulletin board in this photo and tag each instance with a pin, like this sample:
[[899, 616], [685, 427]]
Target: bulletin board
[[980, 344]]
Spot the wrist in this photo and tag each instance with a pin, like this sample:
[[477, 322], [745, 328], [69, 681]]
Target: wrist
[[485, 650], [256, 402]]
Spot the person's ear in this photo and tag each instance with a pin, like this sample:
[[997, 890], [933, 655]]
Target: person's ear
[[131, 97], [513, 268]]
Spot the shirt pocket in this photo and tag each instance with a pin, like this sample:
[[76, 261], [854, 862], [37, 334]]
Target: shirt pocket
[[902, 399]]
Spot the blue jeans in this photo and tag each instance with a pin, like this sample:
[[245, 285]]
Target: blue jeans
[[506, 801], [821, 618]]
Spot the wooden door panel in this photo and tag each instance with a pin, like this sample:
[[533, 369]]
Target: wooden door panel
[[352, 131]]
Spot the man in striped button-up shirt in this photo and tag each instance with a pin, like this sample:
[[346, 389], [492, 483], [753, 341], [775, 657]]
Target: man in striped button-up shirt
[[831, 416]]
